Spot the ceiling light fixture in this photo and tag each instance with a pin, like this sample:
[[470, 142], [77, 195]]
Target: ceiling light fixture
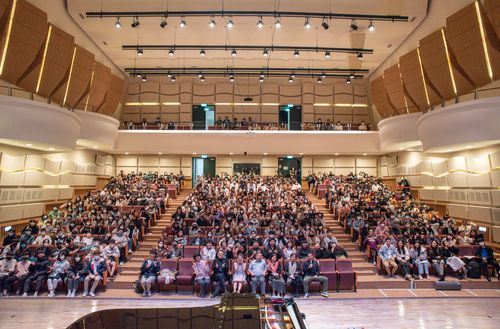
[[171, 52], [292, 75], [360, 56], [202, 52], [351, 76], [296, 53], [320, 80], [173, 78], [51, 149], [118, 24], [202, 78], [163, 23], [327, 54], [135, 22], [140, 52], [29, 145], [230, 23], [169, 75], [290, 79], [183, 22], [323, 75], [354, 25], [261, 77], [200, 75], [233, 53], [348, 81], [265, 53], [371, 26], [231, 78], [260, 23], [144, 78], [307, 25], [212, 22], [277, 23], [325, 24]]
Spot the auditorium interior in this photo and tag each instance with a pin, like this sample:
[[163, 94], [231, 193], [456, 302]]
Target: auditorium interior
[[255, 164]]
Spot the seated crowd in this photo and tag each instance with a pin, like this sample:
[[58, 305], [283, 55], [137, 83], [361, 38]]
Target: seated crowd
[[247, 231], [403, 235], [85, 239]]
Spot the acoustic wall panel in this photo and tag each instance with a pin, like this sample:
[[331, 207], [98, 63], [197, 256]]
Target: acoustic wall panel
[[98, 87], [492, 9], [380, 98], [463, 34], [23, 39], [394, 88], [491, 35], [113, 95]]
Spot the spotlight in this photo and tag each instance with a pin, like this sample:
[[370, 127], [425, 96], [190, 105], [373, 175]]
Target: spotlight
[[173, 78], [118, 24], [233, 53], [163, 23], [360, 56], [169, 75], [292, 75], [307, 25], [202, 78], [327, 54], [140, 52], [144, 78], [138, 75], [231, 78], [265, 53], [354, 26], [183, 22], [320, 80], [212, 22], [202, 52], [261, 77], [296, 53], [323, 75], [290, 79], [277, 23], [348, 81], [351, 76], [230, 23], [135, 22], [200, 75], [325, 24], [171, 52], [371, 26], [260, 23]]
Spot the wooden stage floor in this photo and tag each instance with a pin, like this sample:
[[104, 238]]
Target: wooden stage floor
[[334, 313]]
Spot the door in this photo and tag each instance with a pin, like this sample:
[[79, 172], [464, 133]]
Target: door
[[291, 115], [288, 166], [203, 166], [203, 116]]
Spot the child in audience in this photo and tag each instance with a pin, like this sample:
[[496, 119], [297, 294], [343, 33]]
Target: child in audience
[[239, 273]]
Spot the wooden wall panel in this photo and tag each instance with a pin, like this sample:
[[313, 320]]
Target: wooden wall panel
[[490, 15], [394, 87], [113, 95], [464, 38], [57, 61], [98, 88], [26, 38], [492, 9], [80, 74], [413, 80], [380, 99], [435, 64]]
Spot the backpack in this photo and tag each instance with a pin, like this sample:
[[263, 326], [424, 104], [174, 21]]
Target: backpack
[[137, 286], [474, 271]]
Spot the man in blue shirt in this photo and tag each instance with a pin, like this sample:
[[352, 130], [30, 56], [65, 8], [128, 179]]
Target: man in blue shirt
[[388, 255], [258, 269]]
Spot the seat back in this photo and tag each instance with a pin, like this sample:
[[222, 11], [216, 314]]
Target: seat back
[[190, 251], [327, 265], [344, 265], [185, 267], [170, 264]]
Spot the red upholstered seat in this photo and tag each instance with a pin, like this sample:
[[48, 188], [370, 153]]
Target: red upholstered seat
[[346, 275], [185, 275], [328, 269], [190, 251], [172, 265]]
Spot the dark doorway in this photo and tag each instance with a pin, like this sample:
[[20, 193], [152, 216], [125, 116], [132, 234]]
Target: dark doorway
[[291, 115], [203, 116], [289, 165], [203, 166]]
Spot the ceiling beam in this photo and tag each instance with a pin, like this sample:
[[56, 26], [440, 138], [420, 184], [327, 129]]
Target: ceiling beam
[[248, 47], [246, 13]]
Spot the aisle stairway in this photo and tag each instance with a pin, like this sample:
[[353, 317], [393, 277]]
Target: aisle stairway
[[368, 277], [129, 272]]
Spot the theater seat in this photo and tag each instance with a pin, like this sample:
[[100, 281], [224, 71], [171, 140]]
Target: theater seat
[[190, 251], [328, 269], [172, 265], [185, 275], [346, 275]]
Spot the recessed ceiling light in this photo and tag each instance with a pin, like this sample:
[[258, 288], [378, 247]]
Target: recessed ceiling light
[[336, 154], [29, 145], [231, 153], [160, 153], [51, 149], [265, 153], [194, 153], [301, 153], [469, 146], [448, 150], [126, 153], [95, 146], [364, 153]]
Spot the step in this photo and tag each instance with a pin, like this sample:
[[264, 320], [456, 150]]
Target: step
[[378, 282]]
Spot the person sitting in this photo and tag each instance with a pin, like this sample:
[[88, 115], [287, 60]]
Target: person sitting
[[304, 250], [257, 270], [293, 270], [7, 268], [435, 258], [239, 273], [336, 251], [362, 126], [75, 274], [42, 237], [418, 256], [403, 259], [338, 126], [201, 270], [220, 273], [121, 241], [484, 256], [208, 252], [38, 272], [173, 251], [312, 272], [150, 269], [275, 276], [111, 253], [57, 273], [388, 253], [95, 270], [21, 273]]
